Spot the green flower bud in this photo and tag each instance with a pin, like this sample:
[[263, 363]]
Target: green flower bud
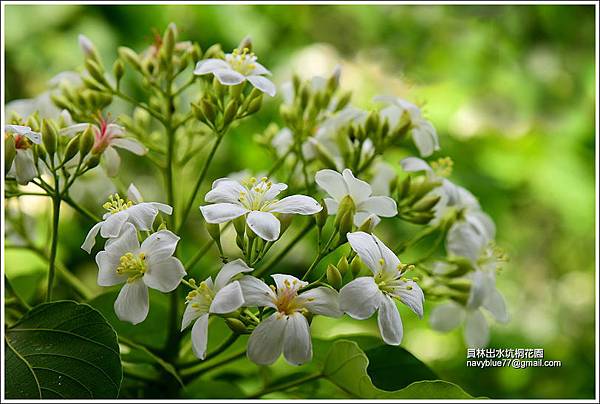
[[96, 71], [9, 152], [214, 231], [356, 266], [334, 278], [208, 110], [230, 112], [92, 84], [245, 43], [196, 53], [254, 105], [236, 325], [49, 137], [368, 225], [343, 265], [93, 161], [323, 155], [214, 52], [129, 56], [33, 122], [343, 101], [426, 203], [169, 39], [321, 216], [239, 223], [118, 70], [345, 208], [61, 102], [372, 122], [86, 142], [239, 241], [460, 284], [404, 188], [72, 149]]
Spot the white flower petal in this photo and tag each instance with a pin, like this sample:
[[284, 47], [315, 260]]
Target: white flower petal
[[74, 129], [360, 219], [359, 190], [333, 183], [225, 191], [266, 341], [464, 241], [483, 284], [159, 245], [379, 205], [323, 301], [371, 250], [210, 65], [297, 346], [477, 331], [259, 69], [276, 189], [90, 239], [228, 77], [132, 303], [112, 161], [133, 194], [221, 212], [263, 84], [496, 305], [131, 145], [164, 208], [113, 224], [425, 138], [107, 266], [227, 299], [389, 321], [164, 274], [24, 166], [200, 336], [189, 315], [127, 241], [332, 206], [446, 317], [230, 270], [414, 164], [264, 224], [411, 295], [298, 204], [360, 298], [256, 292]]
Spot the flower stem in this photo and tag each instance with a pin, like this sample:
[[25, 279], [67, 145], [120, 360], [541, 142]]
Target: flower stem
[[54, 244], [220, 349], [286, 386], [277, 259], [200, 180], [190, 374]]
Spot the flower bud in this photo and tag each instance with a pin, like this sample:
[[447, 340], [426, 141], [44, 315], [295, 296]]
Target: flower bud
[[214, 52], [236, 325], [230, 112], [61, 102], [372, 122], [93, 161], [460, 284], [334, 278], [345, 208], [404, 188], [49, 137], [214, 231], [195, 53], [118, 70], [321, 216], [128, 55], [343, 101], [169, 39], [9, 152], [426, 203], [369, 224], [86, 142], [323, 154], [88, 48], [239, 241], [96, 71], [72, 149], [246, 43], [343, 265], [356, 266], [208, 110], [239, 223], [254, 105], [33, 122]]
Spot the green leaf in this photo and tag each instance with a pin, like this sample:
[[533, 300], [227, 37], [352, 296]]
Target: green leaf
[[62, 349], [346, 367], [388, 364], [152, 332]]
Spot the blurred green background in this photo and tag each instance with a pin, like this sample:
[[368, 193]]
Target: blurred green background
[[510, 89]]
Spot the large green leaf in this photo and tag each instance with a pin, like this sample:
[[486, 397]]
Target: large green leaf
[[346, 367], [393, 368], [152, 332], [62, 349]]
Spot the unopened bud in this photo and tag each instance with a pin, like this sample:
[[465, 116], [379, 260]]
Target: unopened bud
[[321, 216], [33, 122], [128, 55], [169, 39], [96, 71], [49, 137], [334, 278], [239, 223], [72, 149], [355, 266], [86, 142], [214, 52], [343, 265], [88, 48], [254, 105], [196, 53], [426, 203], [343, 101], [230, 112], [245, 43], [118, 70], [369, 224], [93, 161], [460, 284], [346, 208], [323, 154], [214, 231], [236, 325], [208, 110], [9, 152]]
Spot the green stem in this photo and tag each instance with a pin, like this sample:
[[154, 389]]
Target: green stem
[[279, 162], [286, 386], [220, 349], [190, 374], [276, 260], [200, 180], [403, 245], [83, 211], [54, 245]]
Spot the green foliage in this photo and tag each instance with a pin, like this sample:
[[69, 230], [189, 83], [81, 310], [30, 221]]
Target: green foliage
[[62, 349]]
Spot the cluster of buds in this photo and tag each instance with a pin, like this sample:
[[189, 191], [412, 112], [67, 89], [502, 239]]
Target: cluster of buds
[[344, 271]]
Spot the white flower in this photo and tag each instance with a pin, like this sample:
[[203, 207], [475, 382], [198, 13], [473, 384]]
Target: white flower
[[257, 199], [23, 167], [423, 133], [287, 329], [237, 68], [365, 295], [120, 212], [221, 297], [107, 136], [339, 186], [468, 236], [384, 175], [150, 265]]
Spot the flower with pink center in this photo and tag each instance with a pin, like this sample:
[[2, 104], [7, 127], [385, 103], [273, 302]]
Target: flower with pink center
[[23, 167], [107, 137]]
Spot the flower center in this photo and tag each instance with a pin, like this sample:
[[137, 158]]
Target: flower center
[[242, 62], [390, 282], [254, 196], [21, 142], [201, 297], [133, 265], [116, 204], [287, 301]]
